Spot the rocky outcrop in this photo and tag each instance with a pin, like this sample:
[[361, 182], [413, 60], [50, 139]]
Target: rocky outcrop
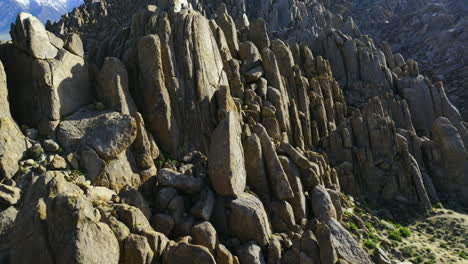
[[226, 166], [429, 31], [30, 35], [12, 141], [57, 82], [216, 140], [248, 210]]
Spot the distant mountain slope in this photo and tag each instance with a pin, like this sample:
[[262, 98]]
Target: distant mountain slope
[[42, 9]]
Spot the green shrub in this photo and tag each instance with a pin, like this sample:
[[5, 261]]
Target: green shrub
[[394, 235], [369, 244], [404, 232], [418, 259], [373, 237], [408, 252], [354, 228], [463, 255], [369, 226]]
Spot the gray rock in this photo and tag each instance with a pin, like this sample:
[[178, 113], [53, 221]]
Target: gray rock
[[204, 206], [12, 147], [327, 252], [224, 256], [248, 220], [380, 257], [258, 34], [7, 218], [282, 216], [250, 253], [50, 145], [179, 181], [108, 133], [74, 45], [113, 88], [310, 246], [254, 74], [453, 161], [345, 245], [119, 172], [204, 234], [255, 168], [29, 34], [163, 196], [274, 250], [137, 250], [133, 197], [322, 204], [162, 223]]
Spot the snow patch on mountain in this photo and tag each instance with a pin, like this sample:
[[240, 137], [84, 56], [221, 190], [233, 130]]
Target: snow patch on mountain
[[42, 9]]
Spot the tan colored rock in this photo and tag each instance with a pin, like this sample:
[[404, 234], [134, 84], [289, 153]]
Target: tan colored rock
[[186, 253], [226, 22], [74, 45], [226, 158], [132, 217], [298, 202], [204, 234], [224, 256], [4, 104], [137, 250], [9, 195], [255, 167], [279, 182], [75, 233], [158, 109]]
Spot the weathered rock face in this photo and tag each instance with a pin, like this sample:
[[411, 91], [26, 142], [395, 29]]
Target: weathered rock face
[[186, 253], [450, 168], [12, 142], [226, 166], [12, 147], [30, 35], [177, 87], [249, 211], [114, 91], [102, 139], [429, 31], [5, 105], [73, 236], [56, 83]]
